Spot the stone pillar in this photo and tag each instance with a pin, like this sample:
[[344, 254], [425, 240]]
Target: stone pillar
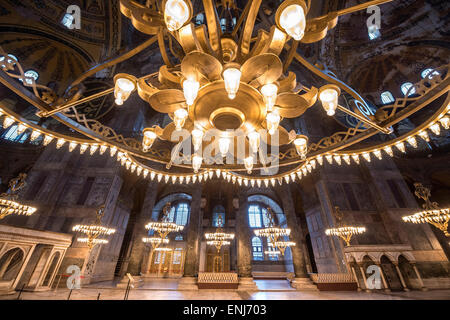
[[422, 286], [401, 277], [302, 280], [243, 244], [364, 277], [386, 288], [356, 278], [193, 237], [143, 217]]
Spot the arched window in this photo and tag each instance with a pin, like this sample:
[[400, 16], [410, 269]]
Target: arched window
[[180, 213], [257, 249], [31, 74], [428, 72], [11, 134], [13, 58], [67, 20], [373, 32], [218, 211], [387, 97], [199, 19], [406, 87], [257, 216]]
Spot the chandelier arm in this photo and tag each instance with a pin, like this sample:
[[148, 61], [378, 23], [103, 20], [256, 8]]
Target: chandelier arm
[[214, 29], [243, 15], [290, 56], [363, 119], [246, 35], [112, 62], [162, 48]]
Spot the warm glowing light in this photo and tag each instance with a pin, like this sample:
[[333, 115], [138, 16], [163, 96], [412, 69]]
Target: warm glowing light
[[389, 151], [103, 148], [254, 140], [190, 90], [47, 140], [445, 122], [232, 77], [149, 137], [7, 122], [412, 141], [377, 153], [34, 135], [345, 232], [355, 158], [400, 146], [196, 162], [329, 95], [21, 128], [366, 156], [224, 146], [424, 135], [72, 146], [60, 143], [248, 162], [273, 120], [346, 158], [435, 128], [301, 145], [269, 92], [197, 138], [337, 159], [176, 14], [293, 21], [179, 119], [123, 88]]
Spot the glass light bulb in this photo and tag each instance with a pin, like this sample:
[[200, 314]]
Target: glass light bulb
[[34, 135], [21, 128], [301, 145], [224, 146], [7, 122], [122, 90], [269, 92], [149, 138], [273, 120], [248, 162], [190, 90], [254, 141], [176, 13], [293, 21], [196, 162], [329, 99], [197, 138], [445, 122], [232, 77], [180, 116]]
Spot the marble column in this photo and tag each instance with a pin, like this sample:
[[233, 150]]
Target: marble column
[[401, 277], [356, 278], [302, 280], [243, 245], [422, 286], [193, 238], [386, 287], [143, 217], [360, 265]]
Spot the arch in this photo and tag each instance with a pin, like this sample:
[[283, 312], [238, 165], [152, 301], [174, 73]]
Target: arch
[[387, 97], [390, 273], [409, 275], [51, 270], [172, 198], [408, 88], [429, 73], [257, 248], [265, 201], [10, 264], [218, 211]]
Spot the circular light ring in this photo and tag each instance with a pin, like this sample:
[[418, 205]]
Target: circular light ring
[[427, 216], [94, 241], [93, 229]]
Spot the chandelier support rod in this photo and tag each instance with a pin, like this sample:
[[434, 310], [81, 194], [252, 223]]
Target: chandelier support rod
[[363, 119]]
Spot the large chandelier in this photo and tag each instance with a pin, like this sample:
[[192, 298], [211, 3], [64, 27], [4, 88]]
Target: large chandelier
[[94, 231], [8, 200], [226, 94], [275, 235], [163, 227], [219, 238], [344, 232], [432, 214]]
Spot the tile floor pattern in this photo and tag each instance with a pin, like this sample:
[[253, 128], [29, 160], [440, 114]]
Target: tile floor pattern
[[165, 289]]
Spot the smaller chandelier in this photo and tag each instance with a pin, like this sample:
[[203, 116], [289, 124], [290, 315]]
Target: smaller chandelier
[[165, 226], [94, 231], [344, 232], [432, 214], [155, 241], [8, 201], [219, 238], [273, 234]]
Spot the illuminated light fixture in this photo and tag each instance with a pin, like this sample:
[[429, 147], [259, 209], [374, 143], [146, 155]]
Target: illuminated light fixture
[[47, 140], [355, 158], [366, 156], [301, 145], [389, 151], [139, 170], [72, 146], [400, 146], [196, 162], [146, 173], [248, 162], [133, 167], [7, 122], [412, 141], [329, 158], [93, 231], [176, 14], [424, 135], [92, 242], [166, 178], [254, 139], [190, 90], [346, 158], [35, 134], [149, 137], [127, 164], [197, 138], [179, 119], [224, 146], [269, 92], [94, 147], [435, 128], [432, 214], [188, 179], [124, 85], [232, 78], [337, 159], [83, 148], [103, 148], [320, 159], [292, 176], [60, 142], [445, 122], [290, 17], [342, 231], [273, 120], [329, 95], [8, 201], [112, 151], [377, 153], [313, 163], [21, 128], [155, 241]]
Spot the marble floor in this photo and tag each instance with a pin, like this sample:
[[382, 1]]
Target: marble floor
[[165, 289]]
